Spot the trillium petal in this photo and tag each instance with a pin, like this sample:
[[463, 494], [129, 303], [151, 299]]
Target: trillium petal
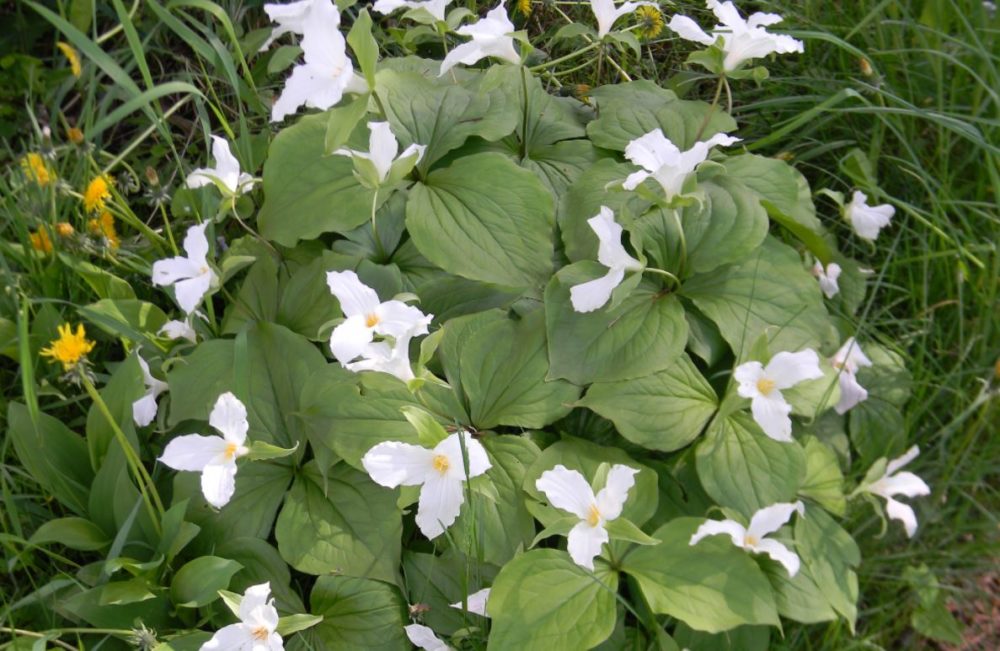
[[727, 14], [393, 464], [902, 512], [901, 461], [229, 416], [851, 357], [584, 543], [593, 294], [761, 19], [747, 375], [218, 483], [451, 447], [689, 30], [192, 451], [179, 330], [729, 528], [235, 637], [350, 339], [652, 150], [396, 319], [439, 505], [851, 392], [476, 602], [254, 597], [298, 88], [779, 553], [171, 270], [424, 638], [788, 369], [227, 167], [144, 409], [200, 177], [611, 498], [354, 296], [771, 413], [382, 147], [196, 244], [610, 251], [905, 483], [771, 518], [567, 490], [467, 53], [191, 291], [635, 179]]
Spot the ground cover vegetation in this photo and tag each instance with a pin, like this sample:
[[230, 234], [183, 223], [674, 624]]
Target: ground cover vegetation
[[551, 325]]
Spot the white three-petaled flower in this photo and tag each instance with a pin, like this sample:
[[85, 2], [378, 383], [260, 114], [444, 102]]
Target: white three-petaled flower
[[382, 148], [440, 473], [606, 13], [491, 37], [214, 456], [144, 409], [742, 40], [424, 638], [567, 490], [763, 385], [226, 170], [381, 357], [326, 72], [591, 295], [176, 329], [256, 630], [367, 317], [752, 538], [292, 18], [848, 360], [900, 483], [476, 602], [668, 165], [867, 220], [191, 276], [433, 7], [827, 278]]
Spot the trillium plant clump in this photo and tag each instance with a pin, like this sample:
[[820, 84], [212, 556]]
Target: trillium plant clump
[[469, 363]]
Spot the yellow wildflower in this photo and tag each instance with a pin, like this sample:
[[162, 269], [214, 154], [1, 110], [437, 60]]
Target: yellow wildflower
[[72, 56], [105, 226], [70, 347], [96, 193], [40, 241], [65, 229], [36, 169], [75, 135], [650, 21], [524, 7]]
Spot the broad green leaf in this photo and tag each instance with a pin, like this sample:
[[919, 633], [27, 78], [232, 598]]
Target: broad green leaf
[[771, 293], [129, 318], [85, 604], [440, 581], [257, 299], [743, 469], [728, 228], [931, 617], [499, 232], [104, 283], [712, 586], [743, 638], [306, 192], [198, 582], [261, 562], [663, 411], [644, 334], [125, 592], [357, 614], [364, 45], [447, 297], [341, 122], [73, 532], [342, 524], [823, 481], [560, 164], [543, 601]]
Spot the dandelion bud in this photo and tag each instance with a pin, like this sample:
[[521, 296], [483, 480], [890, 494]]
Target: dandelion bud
[[75, 135], [151, 176], [866, 67], [65, 229]]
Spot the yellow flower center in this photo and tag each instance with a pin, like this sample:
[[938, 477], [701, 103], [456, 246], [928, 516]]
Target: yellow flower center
[[231, 450], [593, 516], [70, 347], [260, 633], [750, 541], [97, 193], [441, 463], [372, 320], [36, 169], [765, 386]]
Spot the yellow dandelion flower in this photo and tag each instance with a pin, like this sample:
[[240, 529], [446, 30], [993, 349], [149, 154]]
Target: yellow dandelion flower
[[524, 7], [37, 170], [70, 347], [97, 192], [106, 227], [75, 135], [65, 229], [72, 56], [40, 241], [650, 21]]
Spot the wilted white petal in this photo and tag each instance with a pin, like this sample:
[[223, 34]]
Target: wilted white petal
[[689, 30], [440, 502], [867, 220], [593, 294], [218, 483], [490, 37], [850, 357], [611, 498], [730, 528], [771, 518], [393, 464], [902, 512], [179, 330], [476, 602], [610, 251], [901, 461], [567, 490], [851, 392], [424, 638], [229, 416], [584, 543], [828, 278], [904, 483], [192, 451], [788, 369], [780, 553]]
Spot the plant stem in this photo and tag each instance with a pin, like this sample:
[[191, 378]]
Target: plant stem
[[567, 57], [711, 109]]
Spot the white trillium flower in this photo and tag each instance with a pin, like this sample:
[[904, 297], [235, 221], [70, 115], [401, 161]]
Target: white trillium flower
[[439, 472], [176, 329], [191, 276], [144, 409], [367, 317], [848, 360], [567, 490], [380, 357], [606, 13], [491, 37], [742, 40], [435, 8], [214, 456], [257, 628], [326, 73], [763, 385], [894, 483], [827, 278], [226, 170], [476, 602], [668, 165], [592, 295], [382, 149], [753, 538], [292, 18], [867, 220], [424, 638]]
